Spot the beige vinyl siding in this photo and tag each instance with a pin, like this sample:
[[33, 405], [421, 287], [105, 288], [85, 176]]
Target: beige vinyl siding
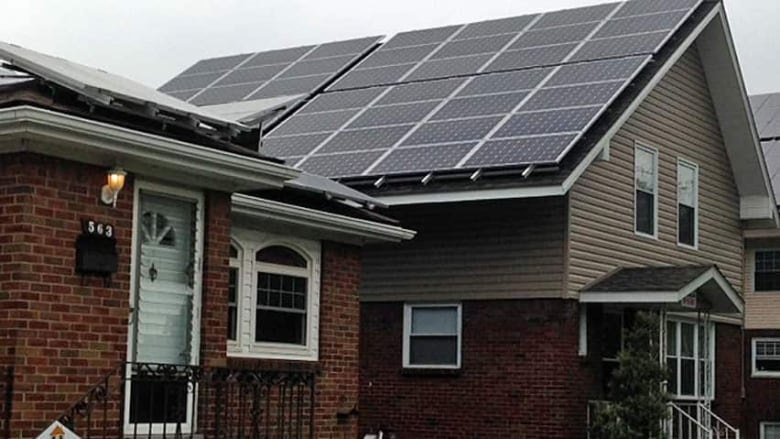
[[762, 309], [477, 250], [678, 119]]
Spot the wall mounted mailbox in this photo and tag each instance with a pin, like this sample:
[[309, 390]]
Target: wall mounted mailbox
[[96, 249]]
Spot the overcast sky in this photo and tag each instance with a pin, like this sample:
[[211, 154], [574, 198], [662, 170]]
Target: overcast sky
[[152, 40]]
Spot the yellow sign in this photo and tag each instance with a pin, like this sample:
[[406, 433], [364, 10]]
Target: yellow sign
[[57, 431]]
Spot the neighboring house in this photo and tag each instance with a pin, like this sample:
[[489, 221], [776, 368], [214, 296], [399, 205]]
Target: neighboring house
[[563, 170], [762, 301], [204, 289]]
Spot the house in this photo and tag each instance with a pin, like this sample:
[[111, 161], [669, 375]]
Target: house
[[562, 171], [762, 321], [159, 276]]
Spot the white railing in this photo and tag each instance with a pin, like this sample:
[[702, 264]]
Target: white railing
[[720, 429], [695, 420], [682, 424]]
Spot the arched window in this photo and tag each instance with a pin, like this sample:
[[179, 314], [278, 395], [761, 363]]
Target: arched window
[[282, 290], [274, 296]]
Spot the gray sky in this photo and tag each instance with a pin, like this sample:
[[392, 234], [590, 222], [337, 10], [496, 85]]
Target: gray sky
[[152, 40]]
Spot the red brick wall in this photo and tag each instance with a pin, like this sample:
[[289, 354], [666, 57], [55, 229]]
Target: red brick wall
[[728, 402], [762, 402], [337, 381], [520, 376], [61, 332]]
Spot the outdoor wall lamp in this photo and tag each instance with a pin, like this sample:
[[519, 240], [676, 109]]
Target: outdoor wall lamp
[[116, 181]]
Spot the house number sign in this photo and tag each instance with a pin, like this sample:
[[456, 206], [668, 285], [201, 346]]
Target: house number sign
[[95, 228]]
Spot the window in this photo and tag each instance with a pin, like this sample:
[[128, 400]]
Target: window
[[234, 274], [274, 300], [767, 271], [687, 203], [612, 328], [690, 351], [770, 430], [766, 357], [432, 336], [646, 188]]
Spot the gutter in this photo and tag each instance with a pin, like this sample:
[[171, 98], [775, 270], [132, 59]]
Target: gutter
[[367, 231], [106, 144]]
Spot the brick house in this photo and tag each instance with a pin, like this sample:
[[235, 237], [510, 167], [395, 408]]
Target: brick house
[[213, 292], [562, 170], [762, 322]]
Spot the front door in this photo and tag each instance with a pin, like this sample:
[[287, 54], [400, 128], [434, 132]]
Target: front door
[[163, 328]]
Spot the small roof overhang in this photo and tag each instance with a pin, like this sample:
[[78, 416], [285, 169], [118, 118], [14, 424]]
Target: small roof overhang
[[677, 288]]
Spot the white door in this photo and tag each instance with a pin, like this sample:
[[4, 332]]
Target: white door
[[166, 309]]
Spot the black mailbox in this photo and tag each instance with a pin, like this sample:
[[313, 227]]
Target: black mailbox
[[96, 250]]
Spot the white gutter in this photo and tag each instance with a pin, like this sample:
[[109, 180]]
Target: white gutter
[[367, 231], [31, 129]]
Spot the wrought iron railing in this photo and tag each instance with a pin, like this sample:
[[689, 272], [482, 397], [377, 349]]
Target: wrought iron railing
[[141, 400]]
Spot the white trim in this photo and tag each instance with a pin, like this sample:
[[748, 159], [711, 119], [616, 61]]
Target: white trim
[[407, 333], [246, 346], [753, 371], [681, 162], [198, 198], [237, 264], [559, 190], [367, 231], [61, 135], [765, 424], [653, 151], [582, 349]]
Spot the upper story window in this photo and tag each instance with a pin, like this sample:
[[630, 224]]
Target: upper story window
[[766, 276], [687, 203], [432, 336], [766, 357], [646, 190], [276, 297]]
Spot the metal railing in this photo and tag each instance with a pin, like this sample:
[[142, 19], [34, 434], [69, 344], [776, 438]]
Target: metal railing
[[684, 423], [142, 400], [719, 427]]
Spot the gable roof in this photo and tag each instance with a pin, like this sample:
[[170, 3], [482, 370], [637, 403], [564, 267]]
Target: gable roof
[[666, 286], [515, 107]]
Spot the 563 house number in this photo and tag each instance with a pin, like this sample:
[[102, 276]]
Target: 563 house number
[[92, 227]]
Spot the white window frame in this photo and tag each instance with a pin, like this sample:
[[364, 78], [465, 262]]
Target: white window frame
[[237, 263], [759, 373], [654, 151], [753, 268], [250, 242], [762, 425], [408, 308], [681, 162], [713, 361]]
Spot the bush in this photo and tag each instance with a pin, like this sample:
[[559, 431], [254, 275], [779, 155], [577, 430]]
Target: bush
[[638, 403]]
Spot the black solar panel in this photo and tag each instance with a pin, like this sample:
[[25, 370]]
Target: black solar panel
[[297, 70], [508, 92]]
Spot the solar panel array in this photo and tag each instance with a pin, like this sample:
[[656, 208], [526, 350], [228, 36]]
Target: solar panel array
[[261, 75], [500, 93]]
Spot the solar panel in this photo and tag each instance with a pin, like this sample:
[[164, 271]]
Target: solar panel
[[509, 92], [297, 70]]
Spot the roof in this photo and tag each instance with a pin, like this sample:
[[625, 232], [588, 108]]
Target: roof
[[648, 279], [500, 94], [106, 88], [766, 112], [684, 288], [251, 112]]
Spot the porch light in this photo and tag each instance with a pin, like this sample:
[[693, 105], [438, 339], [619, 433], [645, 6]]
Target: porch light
[[115, 183]]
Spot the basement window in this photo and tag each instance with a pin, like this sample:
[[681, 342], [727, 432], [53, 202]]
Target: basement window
[[432, 336], [770, 430], [766, 357], [646, 191]]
